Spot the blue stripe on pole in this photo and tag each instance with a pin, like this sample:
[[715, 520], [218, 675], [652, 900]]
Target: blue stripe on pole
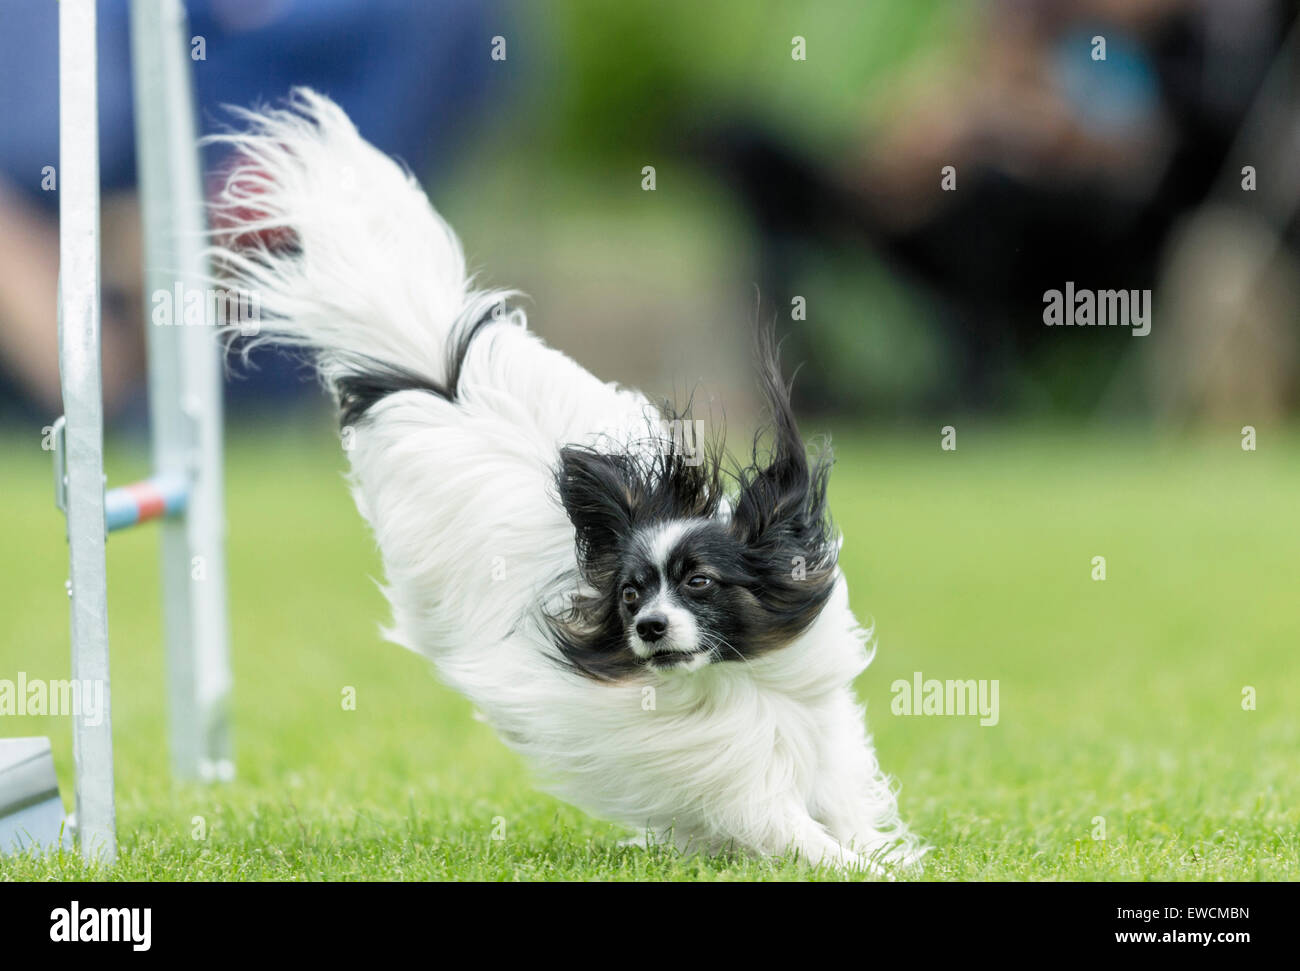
[[163, 495]]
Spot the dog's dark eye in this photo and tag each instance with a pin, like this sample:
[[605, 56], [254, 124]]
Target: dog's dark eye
[[629, 594], [699, 582]]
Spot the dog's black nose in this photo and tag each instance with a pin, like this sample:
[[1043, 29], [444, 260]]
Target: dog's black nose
[[652, 627]]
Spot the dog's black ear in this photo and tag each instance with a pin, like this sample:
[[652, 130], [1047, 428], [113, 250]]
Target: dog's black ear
[[601, 495], [598, 492], [780, 513], [781, 494]]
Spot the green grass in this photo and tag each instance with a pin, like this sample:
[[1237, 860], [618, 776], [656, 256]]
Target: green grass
[[1119, 699]]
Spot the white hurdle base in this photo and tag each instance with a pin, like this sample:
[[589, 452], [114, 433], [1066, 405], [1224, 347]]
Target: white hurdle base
[[31, 812]]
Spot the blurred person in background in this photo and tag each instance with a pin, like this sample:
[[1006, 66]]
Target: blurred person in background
[[411, 75], [1123, 173], [1067, 167]]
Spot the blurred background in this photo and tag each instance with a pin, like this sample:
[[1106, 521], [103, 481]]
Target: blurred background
[[799, 150], [799, 156]]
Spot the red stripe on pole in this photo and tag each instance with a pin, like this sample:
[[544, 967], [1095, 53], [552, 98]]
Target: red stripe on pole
[[148, 500]]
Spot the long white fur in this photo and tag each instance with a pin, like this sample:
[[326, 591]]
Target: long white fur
[[769, 756]]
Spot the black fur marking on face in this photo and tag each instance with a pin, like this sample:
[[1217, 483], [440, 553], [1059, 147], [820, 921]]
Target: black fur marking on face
[[370, 381], [609, 498], [771, 563]]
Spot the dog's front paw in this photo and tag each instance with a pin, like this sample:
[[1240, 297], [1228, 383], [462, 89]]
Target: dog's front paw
[[645, 839], [855, 866]]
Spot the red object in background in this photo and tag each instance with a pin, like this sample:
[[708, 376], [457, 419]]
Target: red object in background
[[227, 220]]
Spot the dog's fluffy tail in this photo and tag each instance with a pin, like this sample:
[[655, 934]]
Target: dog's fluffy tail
[[343, 252]]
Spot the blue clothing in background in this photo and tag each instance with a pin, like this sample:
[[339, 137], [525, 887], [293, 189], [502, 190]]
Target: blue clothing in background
[[408, 72]]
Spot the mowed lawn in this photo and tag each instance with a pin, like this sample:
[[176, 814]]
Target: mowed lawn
[[1120, 701]]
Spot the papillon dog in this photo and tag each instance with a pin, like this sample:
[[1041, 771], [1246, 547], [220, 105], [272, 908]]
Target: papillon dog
[[666, 639]]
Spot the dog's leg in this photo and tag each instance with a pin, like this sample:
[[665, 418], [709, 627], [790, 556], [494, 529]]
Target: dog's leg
[[814, 846], [782, 826], [853, 798]]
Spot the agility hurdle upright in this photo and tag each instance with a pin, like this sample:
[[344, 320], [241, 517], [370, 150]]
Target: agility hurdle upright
[[185, 489]]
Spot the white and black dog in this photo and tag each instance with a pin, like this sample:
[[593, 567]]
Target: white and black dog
[[669, 645]]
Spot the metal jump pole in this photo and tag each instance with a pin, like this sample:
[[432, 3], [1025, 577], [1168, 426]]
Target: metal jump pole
[[83, 447], [184, 395], [185, 489]]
